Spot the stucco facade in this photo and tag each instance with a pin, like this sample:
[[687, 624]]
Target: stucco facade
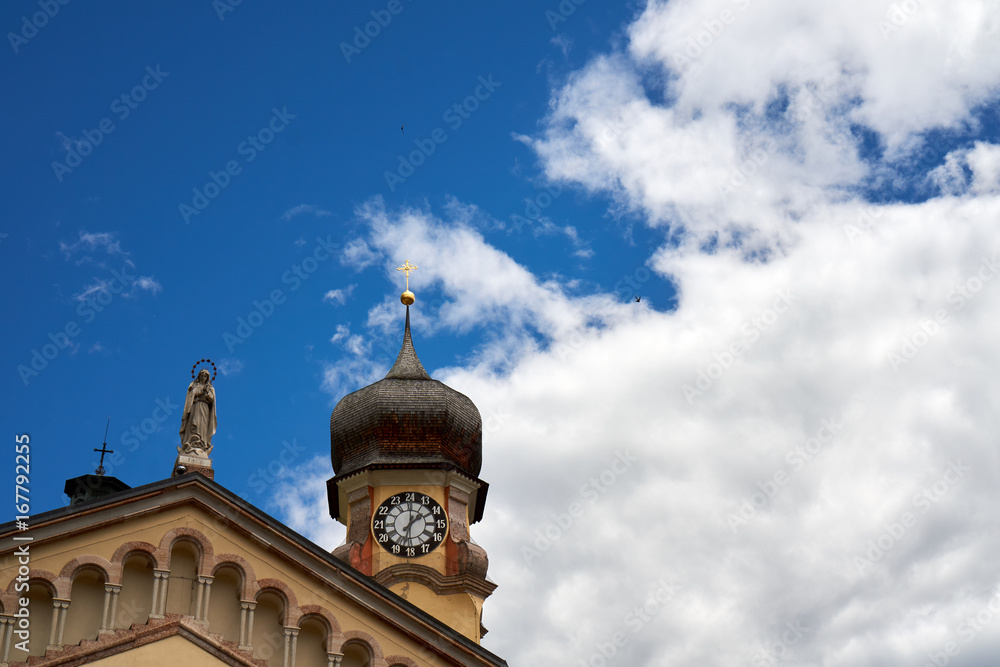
[[184, 572]]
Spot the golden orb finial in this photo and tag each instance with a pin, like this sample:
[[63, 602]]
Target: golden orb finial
[[407, 297]]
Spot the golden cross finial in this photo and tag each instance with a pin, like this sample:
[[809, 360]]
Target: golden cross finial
[[406, 268], [407, 297]]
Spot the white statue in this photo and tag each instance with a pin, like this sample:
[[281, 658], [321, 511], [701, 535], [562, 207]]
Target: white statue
[[198, 420]]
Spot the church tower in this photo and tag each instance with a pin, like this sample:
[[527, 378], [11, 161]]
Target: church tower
[[182, 571], [406, 453]]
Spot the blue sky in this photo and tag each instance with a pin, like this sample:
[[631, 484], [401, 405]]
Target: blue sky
[[216, 83], [805, 197]]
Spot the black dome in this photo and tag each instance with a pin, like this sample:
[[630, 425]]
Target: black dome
[[406, 419]]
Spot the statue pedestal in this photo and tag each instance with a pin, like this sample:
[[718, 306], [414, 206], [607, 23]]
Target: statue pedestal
[[193, 464]]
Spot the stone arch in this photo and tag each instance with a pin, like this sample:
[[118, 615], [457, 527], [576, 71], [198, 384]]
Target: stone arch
[[401, 661], [250, 585], [40, 610], [70, 569], [44, 577], [186, 564], [122, 553], [225, 597], [315, 637], [331, 620], [271, 615], [84, 617], [292, 611], [196, 537], [359, 637], [136, 565]]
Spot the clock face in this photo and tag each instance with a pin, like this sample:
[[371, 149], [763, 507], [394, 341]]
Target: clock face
[[409, 524]]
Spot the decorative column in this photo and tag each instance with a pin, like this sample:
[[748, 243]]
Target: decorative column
[[160, 579], [154, 604], [204, 591], [54, 626], [246, 624], [63, 606], [208, 595], [113, 618], [6, 635], [291, 639], [333, 659], [111, 592], [59, 607]]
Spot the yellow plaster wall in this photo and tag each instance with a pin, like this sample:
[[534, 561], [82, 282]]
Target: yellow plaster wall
[[167, 652], [103, 541], [460, 611], [267, 562]]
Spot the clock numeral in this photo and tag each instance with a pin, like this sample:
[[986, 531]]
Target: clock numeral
[[410, 524]]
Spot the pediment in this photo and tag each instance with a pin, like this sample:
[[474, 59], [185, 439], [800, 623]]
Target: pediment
[[159, 643]]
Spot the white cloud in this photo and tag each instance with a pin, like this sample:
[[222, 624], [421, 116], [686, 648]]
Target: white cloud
[[99, 285], [975, 170], [950, 177], [115, 286], [148, 284], [339, 296], [480, 284], [103, 241], [564, 44], [230, 366], [984, 160], [302, 209], [762, 113], [343, 331], [807, 438], [356, 344], [470, 215], [358, 255], [351, 373], [299, 493], [929, 72], [595, 395]]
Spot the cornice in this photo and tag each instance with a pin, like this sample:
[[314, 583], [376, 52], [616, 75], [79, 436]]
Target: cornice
[[439, 583]]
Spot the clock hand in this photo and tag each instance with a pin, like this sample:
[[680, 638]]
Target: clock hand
[[407, 527]]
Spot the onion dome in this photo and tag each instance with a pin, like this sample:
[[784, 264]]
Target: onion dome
[[406, 420]]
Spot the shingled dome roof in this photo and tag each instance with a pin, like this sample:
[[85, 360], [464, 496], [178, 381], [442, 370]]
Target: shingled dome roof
[[406, 419]]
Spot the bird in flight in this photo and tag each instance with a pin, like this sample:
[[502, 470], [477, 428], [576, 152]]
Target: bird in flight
[[638, 299], [401, 128]]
